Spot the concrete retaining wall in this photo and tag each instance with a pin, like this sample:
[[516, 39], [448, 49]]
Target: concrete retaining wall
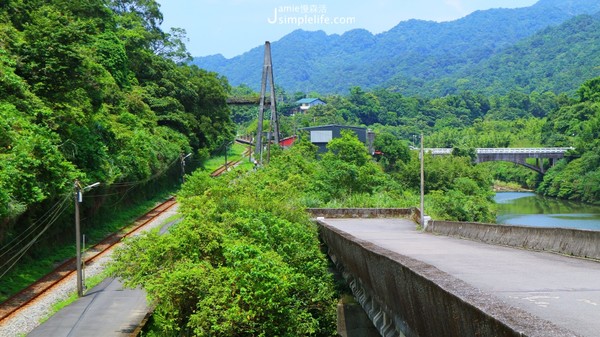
[[407, 297], [573, 242], [411, 213]]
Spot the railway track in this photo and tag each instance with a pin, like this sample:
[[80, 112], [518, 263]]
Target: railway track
[[224, 168], [231, 164], [66, 269], [41, 286]]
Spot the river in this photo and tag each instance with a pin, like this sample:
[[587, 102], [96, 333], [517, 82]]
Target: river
[[530, 209]]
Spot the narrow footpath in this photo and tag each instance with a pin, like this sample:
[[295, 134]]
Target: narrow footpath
[[107, 310]]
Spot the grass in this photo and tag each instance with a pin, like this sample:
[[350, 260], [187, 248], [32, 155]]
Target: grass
[[33, 268], [234, 152]]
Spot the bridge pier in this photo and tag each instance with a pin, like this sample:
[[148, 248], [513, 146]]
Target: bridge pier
[[352, 321]]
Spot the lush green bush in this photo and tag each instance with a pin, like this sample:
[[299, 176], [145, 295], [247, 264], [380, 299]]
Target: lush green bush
[[455, 187], [245, 261]]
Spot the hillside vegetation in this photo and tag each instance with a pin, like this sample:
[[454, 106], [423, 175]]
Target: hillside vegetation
[[95, 91], [557, 59], [537, 48], [246, 260]]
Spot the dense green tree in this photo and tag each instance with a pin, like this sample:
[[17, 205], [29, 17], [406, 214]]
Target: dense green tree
[[392, 150], [347, 168], [455, 187], [93, 90], [578, 123], [549, 46], [245, 260]]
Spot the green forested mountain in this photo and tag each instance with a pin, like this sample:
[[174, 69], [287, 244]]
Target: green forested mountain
[[557, 59], [92, 90], [420, 54]]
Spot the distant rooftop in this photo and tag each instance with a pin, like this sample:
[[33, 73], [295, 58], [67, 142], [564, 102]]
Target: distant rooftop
[[307, 100]]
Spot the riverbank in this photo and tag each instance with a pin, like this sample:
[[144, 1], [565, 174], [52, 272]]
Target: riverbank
[[501, 186]]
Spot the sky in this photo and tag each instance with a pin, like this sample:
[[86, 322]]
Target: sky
[[232, 27]]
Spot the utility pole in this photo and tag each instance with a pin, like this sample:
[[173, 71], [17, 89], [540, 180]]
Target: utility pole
[[182, 158], [227, 144], [421, 155], [267, 76], [79, 199]]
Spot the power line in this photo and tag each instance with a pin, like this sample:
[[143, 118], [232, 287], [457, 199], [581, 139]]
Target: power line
[[16, 257], [132, 185], [52, 216], [156, 175], [33, 227]]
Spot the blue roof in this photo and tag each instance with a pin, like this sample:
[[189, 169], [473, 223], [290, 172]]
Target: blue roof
[[307, 100]]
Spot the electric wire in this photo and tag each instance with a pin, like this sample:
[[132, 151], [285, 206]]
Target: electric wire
[[32, 228], [152, 177], [132, 185], [51, 219], [16, 257], [39, 223], [53, 214]]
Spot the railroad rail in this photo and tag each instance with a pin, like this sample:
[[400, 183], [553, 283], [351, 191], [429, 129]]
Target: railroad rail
[[223, 168], [67, 268], [44, 284]]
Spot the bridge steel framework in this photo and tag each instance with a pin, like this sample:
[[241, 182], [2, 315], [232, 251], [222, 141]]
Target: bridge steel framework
[[514, 155]]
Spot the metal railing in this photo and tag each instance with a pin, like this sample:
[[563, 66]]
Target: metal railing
[[443, 151], [524, 150]]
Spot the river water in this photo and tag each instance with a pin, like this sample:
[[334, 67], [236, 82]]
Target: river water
[[530, 209]]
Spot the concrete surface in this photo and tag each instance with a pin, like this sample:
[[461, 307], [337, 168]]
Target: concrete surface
[[106, 310], [567, 241], [412, 213], [352, 321], [558, 289]]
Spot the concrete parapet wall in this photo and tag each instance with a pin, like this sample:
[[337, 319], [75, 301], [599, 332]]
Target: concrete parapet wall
[[407, 297], [573, 242], [364, 212]]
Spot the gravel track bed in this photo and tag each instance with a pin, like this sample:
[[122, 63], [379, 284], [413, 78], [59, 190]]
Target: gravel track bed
[[26, 319]]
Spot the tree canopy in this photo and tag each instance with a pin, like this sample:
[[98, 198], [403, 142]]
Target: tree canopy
[[96, 91]]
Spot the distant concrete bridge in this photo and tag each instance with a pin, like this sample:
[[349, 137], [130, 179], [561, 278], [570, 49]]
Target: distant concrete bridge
[[514, 155]]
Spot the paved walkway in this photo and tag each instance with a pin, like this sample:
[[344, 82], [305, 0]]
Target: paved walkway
[[559, 289], [105, 310]]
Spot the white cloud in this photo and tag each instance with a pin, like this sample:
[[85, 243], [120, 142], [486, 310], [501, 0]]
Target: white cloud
[[456, 4]]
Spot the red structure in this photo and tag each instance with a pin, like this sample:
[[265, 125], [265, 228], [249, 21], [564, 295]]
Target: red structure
[[287, 142]]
